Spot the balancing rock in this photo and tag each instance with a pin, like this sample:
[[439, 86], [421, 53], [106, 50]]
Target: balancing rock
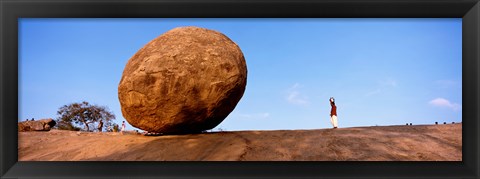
[[185, 81]]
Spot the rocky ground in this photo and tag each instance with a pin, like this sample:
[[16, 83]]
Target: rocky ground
[[382, 143]]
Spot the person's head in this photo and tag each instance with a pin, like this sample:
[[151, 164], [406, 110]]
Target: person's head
[[123, 121], [332, 101]]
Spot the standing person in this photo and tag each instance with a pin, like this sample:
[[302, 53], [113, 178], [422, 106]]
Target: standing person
[[123, 127], [333, 113], [100, 125]]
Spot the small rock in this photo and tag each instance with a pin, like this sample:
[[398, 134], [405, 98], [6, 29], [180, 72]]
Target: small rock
[[39, 125]]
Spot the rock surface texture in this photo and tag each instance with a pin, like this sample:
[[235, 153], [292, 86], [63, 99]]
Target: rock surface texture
[[186, 80], [40, 125]]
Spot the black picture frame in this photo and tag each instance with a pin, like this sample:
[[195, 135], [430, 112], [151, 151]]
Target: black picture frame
[[11, 10]]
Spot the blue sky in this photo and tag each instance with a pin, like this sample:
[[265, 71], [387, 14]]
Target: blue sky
[[380, 71]]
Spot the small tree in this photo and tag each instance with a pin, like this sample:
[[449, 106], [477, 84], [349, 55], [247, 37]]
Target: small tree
[[84, 114]]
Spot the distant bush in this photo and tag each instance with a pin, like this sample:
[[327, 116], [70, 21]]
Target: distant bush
[[116, 128], [110, 126], [62, 125]]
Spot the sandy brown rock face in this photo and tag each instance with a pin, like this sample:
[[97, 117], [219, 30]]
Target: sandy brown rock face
[[40, 125], [186, 80]]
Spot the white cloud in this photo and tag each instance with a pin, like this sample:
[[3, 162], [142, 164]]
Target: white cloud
[[295, 97], [442, 102]]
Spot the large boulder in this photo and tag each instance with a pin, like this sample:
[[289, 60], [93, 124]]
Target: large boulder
[[184, 81], [39, 125]]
